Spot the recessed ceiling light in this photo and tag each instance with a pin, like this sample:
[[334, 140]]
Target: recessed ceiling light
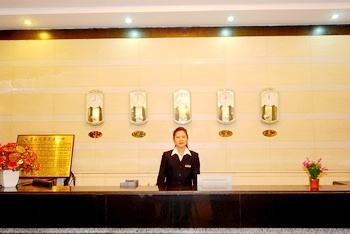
[[318, 31], [128, 20], [230, 18], [226, 32], [28, 22], [335, 16], [134, 34], [44, 36]]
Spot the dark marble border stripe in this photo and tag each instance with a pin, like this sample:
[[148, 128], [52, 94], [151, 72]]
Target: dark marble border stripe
[[176, 32], [181, 230]]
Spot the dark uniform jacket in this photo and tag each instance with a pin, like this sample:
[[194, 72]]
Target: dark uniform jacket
[[178, 175]]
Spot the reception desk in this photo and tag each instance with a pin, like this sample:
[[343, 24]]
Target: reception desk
[[146, 207]]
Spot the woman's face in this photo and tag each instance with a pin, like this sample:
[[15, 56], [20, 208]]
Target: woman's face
[[180, 139]]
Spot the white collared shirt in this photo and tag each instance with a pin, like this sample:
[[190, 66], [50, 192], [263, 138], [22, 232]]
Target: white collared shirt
[[187, 151]]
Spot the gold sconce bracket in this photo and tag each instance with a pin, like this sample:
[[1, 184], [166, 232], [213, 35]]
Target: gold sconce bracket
[[269, 133], [225, 133], [95, 134], [138, 134]]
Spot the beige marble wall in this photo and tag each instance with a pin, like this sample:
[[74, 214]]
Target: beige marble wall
[[43, 86]]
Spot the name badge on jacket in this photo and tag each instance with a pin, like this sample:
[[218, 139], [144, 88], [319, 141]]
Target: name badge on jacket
[[187, 166]]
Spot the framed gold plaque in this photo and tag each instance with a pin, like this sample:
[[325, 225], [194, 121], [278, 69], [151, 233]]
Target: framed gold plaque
[[54, 152]]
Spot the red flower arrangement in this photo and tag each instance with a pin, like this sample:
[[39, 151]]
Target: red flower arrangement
[[18, 158]]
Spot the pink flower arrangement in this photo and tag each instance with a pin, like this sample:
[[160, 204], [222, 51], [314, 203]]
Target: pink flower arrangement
[[314, 168], [18, 158]]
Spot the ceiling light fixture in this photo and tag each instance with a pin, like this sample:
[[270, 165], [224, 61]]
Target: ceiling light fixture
[[230, 18], [44, 36], [27, 22], [318, 31], [335, 16], [226, 32], [128, 20], [134, 34]]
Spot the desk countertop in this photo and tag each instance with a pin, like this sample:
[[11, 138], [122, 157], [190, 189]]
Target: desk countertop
[[154, 189]]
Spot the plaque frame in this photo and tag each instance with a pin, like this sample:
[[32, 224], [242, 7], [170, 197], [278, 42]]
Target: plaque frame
[[55, 153]]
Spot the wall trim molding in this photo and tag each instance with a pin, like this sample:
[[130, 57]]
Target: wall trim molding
[[94, 33]]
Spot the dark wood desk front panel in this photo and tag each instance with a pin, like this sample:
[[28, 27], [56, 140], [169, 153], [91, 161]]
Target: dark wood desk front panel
[[308, 210], [175, 210], [244, 206], [52, 210]]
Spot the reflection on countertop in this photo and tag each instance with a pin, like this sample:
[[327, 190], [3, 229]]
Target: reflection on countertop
[[336, 187]]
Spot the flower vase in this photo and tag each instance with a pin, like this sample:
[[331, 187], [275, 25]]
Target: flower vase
[[314, 184], [9, 178]]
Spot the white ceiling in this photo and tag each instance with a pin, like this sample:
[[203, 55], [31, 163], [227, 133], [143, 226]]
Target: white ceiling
[[68, 14]]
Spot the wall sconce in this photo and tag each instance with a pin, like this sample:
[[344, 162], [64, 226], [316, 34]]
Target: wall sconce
[[269, 109], [182, 106], [94, 107]]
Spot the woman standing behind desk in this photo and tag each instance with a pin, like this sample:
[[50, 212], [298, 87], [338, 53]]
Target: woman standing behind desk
[[179, 167]]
